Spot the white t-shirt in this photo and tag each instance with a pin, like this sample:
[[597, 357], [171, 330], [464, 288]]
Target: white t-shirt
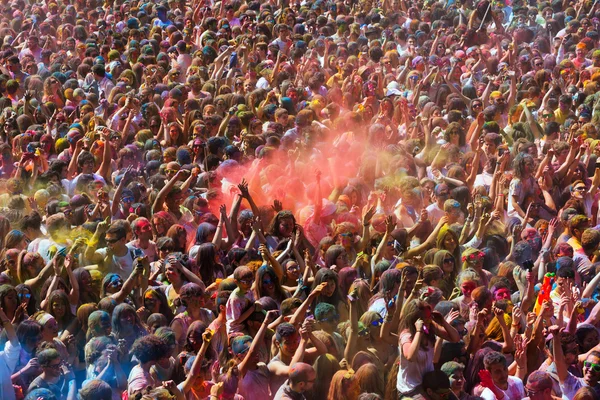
[[76, 179], [435, 213], [515, 390], [410, 374], [121, 265]]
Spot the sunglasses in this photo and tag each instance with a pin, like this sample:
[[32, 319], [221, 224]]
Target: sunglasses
[[127, 200], [580, 189], [348, 235], [592, 366], [547, 115], [477, 105], [111, 241], [449, 260], [363, 333], [377, 322], [267, 282], [247, 281], [171, 171]]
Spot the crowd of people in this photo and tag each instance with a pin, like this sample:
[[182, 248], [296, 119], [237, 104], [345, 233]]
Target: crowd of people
[[299, 200]]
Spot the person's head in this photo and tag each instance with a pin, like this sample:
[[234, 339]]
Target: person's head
[[590, 239], [455, 373], [578, 189], [302, 377], [564, 277], [150, 349], [436, 385], [591, 368], [283, 224], [327, 316], [192, 296], [586, 336], [125, 321], [336, 258], [287, 339], [142, 229], [495, 363], [244, 278], [96, 389], [116, 237], [50, 362], [539, 386], [49, 325], [99, 324], [29, 334], [9, 300]]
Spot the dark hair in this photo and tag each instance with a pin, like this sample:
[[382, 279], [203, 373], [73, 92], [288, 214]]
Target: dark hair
[[31, 308], [206, 263], [45, 357], [284, 330], [565, 272], [150, 348], [492, 358], [274, 226], [116, 320], [327, 275], [96, 389], [279, 294], [28, 330], [435, 379]]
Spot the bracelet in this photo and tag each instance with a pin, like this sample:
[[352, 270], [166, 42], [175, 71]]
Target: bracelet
[[6, 321]]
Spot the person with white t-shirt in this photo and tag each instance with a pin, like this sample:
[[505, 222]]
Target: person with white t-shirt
[[116, 257], [436, 210], [496, 384]]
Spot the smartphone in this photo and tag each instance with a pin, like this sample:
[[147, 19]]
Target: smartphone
[[528, 265]]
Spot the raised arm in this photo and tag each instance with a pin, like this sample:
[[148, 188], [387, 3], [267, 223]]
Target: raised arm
[[105, 165], [256, 343], [160, 198], [559, 357], [195, 371], [268, 258]]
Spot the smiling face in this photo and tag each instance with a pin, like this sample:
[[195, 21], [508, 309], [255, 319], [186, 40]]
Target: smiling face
[[292, 271], [457, 381], [58, 308], [591, 370], [50, 330]]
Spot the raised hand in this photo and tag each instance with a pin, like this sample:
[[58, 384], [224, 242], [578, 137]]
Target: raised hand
[[368, 216], [452, 315], [277, 206], [243, 186], [389, 224]]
